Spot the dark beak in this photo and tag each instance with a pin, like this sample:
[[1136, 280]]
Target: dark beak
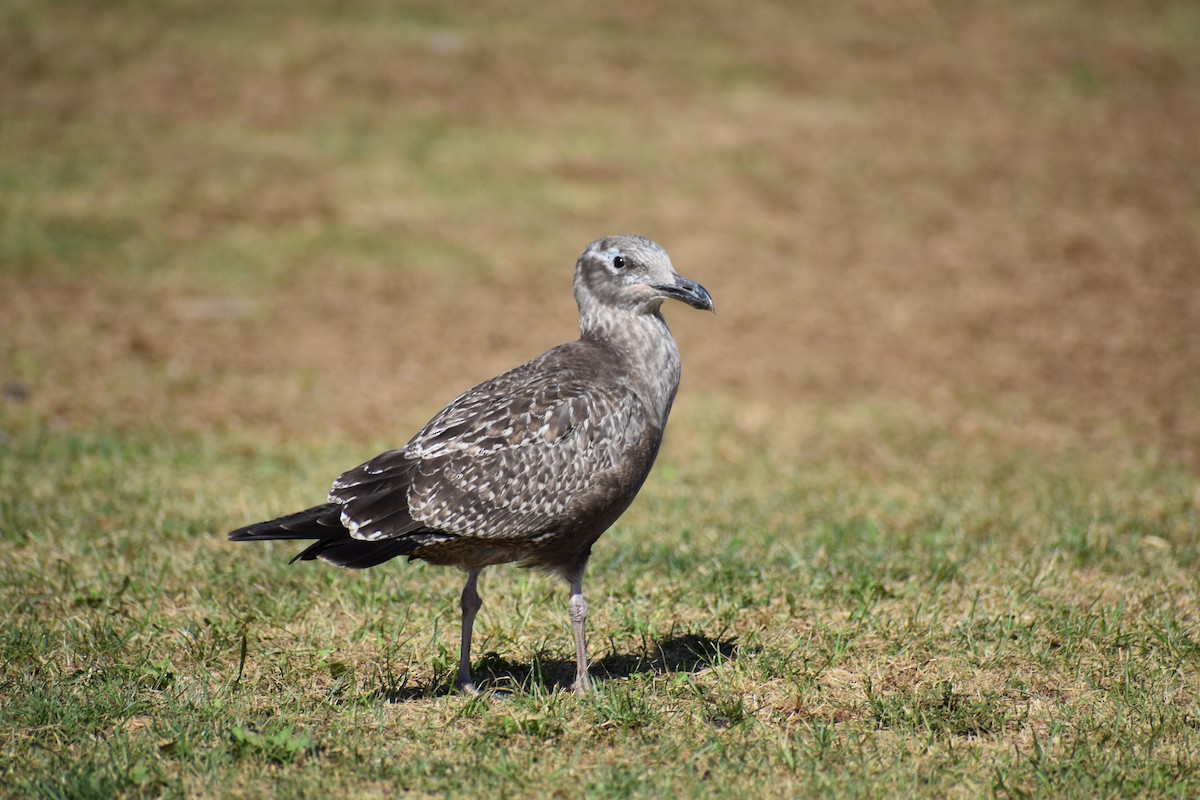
[[689, 292]]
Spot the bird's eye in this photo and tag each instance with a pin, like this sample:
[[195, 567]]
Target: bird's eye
[[618, 262]]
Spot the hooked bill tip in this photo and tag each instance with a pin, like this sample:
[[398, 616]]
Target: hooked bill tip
[[688, 291]]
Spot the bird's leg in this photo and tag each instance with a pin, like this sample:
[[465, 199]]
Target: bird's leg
[[578, 609], [471, 603]]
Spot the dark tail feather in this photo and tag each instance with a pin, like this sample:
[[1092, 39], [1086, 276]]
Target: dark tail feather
[[333, 542], [317, 522], [355, 553]]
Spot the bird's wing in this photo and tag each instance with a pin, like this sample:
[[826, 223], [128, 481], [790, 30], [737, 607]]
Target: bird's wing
[[505, 459]]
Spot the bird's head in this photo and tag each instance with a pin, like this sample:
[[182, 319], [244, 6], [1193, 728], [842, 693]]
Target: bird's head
[[633, 274]]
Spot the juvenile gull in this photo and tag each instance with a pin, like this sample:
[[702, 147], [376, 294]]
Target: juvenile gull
[[531, 466]]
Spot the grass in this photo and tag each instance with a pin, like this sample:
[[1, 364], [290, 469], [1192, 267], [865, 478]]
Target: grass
[[926, 520], [930, 632]]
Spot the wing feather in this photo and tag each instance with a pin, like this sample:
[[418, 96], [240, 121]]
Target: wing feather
[[559, 440], [506, 459]]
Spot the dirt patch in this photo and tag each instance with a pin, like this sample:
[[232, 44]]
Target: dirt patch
[[977, 210]]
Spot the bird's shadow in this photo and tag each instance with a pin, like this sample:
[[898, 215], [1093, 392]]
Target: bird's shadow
[[689, 653]]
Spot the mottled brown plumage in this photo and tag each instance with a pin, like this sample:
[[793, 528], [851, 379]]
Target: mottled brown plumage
[[531, 466]]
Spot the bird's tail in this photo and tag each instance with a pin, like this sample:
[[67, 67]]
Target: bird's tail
[[317, 522], [333, 541]]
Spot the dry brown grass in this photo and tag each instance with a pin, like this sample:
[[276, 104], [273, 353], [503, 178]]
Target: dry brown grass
[[971, 209]]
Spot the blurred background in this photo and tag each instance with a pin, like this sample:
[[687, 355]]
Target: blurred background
[[320, 220]]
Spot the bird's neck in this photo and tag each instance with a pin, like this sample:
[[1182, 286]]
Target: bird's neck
[[645, 344]]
